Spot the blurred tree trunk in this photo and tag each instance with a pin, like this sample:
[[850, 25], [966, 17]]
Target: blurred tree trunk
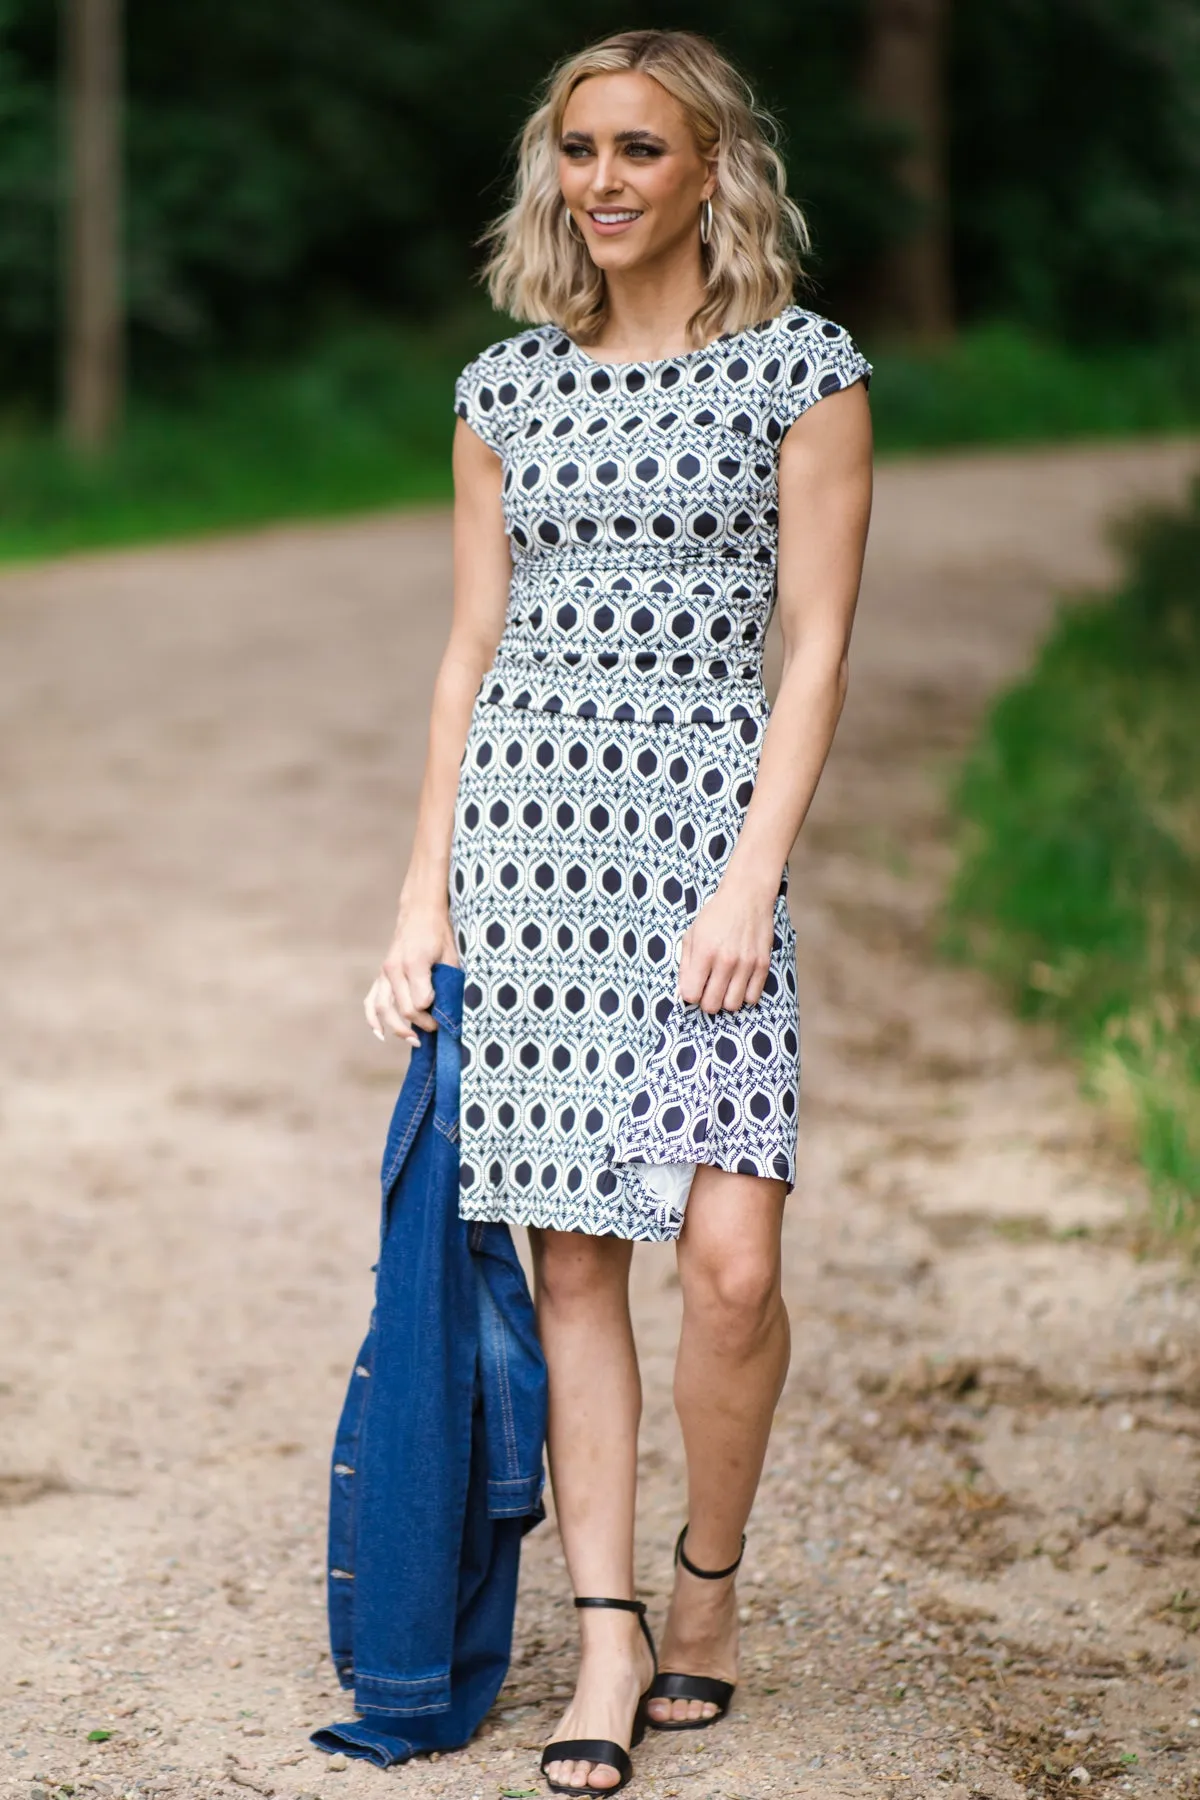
[[93, 346], [904, 85]]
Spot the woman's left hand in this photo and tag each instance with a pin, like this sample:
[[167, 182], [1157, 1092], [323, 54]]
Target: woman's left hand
[[726, 954]]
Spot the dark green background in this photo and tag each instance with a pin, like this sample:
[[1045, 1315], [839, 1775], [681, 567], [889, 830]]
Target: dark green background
[[295, 162]]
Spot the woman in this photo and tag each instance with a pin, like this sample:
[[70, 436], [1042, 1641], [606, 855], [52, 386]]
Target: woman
[[606, 812]]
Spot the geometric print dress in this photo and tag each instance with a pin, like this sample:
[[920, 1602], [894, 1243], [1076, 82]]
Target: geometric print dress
[[611, 756]]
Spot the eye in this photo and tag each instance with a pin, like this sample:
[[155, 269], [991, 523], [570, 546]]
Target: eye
[[644, 151], [575, 151]]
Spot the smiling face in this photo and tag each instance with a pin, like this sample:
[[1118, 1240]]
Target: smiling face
[[630, 170]]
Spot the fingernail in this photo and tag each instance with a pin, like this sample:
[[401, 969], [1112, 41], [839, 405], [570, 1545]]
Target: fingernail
[[377, 1032]]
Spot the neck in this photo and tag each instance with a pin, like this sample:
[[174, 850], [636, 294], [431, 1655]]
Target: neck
[[649, 307]]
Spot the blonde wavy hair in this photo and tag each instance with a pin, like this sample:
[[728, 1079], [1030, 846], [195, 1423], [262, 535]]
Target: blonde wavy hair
[[539, 272]]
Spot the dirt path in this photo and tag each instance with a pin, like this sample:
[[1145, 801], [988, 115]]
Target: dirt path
[[972, 1567]]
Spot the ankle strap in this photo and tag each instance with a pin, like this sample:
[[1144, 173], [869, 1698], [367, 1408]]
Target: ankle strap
[[629, 1606], [682, 1556]]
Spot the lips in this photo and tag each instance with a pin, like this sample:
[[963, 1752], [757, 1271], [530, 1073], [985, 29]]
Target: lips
[[608, 221]]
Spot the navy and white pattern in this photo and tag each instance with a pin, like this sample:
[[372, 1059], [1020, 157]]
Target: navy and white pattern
[[611, 756]]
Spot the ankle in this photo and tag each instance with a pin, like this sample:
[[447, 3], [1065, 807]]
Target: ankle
[[610, 1656], [610, 1640], [715, 1556]]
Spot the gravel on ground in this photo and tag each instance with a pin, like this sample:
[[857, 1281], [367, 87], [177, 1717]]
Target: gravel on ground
[[971, 1573]]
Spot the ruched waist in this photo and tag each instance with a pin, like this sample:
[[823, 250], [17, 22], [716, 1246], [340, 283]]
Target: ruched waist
[[585, 690]]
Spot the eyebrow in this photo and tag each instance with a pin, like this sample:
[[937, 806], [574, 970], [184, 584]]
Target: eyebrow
[[635, 136]]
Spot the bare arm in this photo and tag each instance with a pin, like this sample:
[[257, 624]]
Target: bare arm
[[403, 992], [824, 509]]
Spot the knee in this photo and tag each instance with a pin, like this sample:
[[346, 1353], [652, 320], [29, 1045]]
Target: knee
[[574, 1273], [735, 1297]]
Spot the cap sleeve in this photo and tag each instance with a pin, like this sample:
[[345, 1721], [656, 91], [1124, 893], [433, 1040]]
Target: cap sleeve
[[821, 358], [486, 396]]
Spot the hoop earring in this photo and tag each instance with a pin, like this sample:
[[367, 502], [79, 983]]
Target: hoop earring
[[706, 221], [572, 228]]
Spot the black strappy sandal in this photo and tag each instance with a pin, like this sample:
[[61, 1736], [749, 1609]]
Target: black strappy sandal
[[705, 1688], [604, 1750]]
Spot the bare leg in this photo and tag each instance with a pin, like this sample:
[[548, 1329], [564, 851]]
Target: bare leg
[[733, 1356], [582, 1291]]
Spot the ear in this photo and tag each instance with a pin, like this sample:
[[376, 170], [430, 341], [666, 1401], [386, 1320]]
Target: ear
[[710, 184]]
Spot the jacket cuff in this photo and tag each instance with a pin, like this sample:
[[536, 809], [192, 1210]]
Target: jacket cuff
[[516, 1499], [385, 1694]]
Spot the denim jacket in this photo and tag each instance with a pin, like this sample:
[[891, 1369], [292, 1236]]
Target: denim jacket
[[437, 1465]]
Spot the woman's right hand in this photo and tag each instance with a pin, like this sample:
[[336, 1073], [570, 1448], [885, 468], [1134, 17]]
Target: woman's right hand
[[400, 996]]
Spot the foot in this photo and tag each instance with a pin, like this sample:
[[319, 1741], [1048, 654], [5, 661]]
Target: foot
[[615, 1669], [701, 1638]]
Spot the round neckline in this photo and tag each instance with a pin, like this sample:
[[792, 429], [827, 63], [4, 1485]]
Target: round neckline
[[661, 362]]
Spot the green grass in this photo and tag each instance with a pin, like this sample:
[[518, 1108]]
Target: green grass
[[365, 421], [1078, 883], [997, 385]]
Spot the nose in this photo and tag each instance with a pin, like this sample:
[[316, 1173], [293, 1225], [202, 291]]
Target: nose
[[608, 178]]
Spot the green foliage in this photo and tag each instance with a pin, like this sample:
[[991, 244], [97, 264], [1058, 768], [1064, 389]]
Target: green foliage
[[365, 421], [1079, 879], [1075, 165], [28, 194], [287, 161], [997, 384], [363, 418]]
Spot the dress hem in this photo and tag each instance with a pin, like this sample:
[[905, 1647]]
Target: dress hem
[[650, 1221]]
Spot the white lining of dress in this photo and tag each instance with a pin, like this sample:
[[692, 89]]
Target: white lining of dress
[[670, 1183]]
